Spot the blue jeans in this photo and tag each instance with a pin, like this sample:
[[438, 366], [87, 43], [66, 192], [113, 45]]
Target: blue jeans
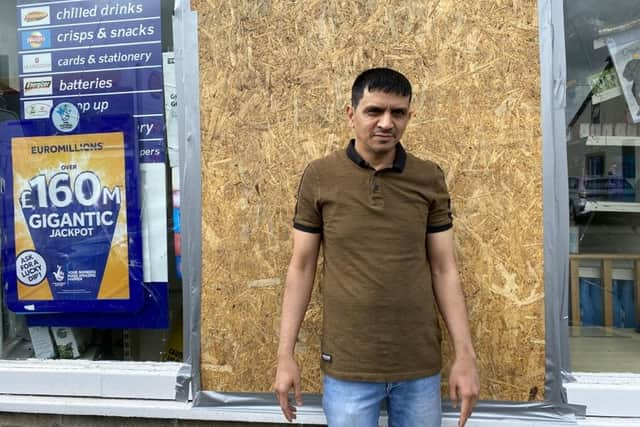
[[412, 403]]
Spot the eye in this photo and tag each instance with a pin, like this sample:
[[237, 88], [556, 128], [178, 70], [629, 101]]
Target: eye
[[373, 111]]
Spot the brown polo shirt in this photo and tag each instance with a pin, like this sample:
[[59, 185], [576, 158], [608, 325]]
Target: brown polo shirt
[[380, 318]]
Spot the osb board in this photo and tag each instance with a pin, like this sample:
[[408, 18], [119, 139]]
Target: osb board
[[275, 80]]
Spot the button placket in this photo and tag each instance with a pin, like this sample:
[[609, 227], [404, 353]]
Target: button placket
[[375, 190]]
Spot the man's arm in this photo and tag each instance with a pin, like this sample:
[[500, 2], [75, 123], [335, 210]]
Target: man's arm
[[463, 379], [297, 291]]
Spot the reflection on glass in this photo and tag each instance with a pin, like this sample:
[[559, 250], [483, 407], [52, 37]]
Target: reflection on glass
[[603, 165]]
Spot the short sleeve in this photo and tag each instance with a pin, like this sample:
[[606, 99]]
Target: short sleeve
[[307, 216], [440, 218]]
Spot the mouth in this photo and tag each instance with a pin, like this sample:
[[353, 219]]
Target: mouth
[[385, 137]]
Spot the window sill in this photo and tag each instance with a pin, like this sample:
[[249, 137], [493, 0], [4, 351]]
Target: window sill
[[606, 394], [103, 379], [312, 414], [157, 409]]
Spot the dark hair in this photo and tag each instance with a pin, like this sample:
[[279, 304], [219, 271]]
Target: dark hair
[[379, 79]]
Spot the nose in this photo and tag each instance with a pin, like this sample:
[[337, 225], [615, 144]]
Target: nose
[[385, 121]]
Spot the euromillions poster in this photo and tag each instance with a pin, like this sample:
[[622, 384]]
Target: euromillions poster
[[71, 218]]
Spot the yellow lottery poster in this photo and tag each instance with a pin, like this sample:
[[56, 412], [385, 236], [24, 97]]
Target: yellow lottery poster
[[73, 224]]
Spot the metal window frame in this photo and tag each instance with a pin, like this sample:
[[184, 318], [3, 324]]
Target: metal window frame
[[556, 249], [555, 196], [188, 92]]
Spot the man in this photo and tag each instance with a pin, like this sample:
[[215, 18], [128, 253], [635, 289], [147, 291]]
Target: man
[[383, 219]]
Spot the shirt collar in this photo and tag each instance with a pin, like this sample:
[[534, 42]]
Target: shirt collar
[[399, 160]]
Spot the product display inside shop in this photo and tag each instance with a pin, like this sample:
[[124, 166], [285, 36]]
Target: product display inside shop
[[89, 182], [603, 165]]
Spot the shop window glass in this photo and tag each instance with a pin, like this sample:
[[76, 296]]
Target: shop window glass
[[603, 150], [89, 191]]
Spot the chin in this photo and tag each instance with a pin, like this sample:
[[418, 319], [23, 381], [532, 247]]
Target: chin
[[383, 148], [386, 143]]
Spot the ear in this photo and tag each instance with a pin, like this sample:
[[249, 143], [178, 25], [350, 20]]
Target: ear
[[350, 113]]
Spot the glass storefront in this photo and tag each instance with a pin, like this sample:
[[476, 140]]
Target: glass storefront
[[603, 161]]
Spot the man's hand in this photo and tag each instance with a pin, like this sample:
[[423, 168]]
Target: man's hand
[[288, 375], [297, 291], [464, 386]]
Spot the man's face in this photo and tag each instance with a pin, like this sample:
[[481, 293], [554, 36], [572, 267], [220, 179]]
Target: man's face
[[379, 121]]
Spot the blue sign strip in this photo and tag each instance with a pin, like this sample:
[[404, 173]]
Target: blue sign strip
[[83, 82], [91, 58], [57, 13], [150, 127], [139, 104], [152, 151], [90, 34]]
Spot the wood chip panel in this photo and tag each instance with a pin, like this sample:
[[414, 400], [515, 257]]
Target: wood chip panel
[[275, 81]]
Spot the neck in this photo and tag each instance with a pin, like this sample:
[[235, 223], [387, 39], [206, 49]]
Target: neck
[[376, 160]]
